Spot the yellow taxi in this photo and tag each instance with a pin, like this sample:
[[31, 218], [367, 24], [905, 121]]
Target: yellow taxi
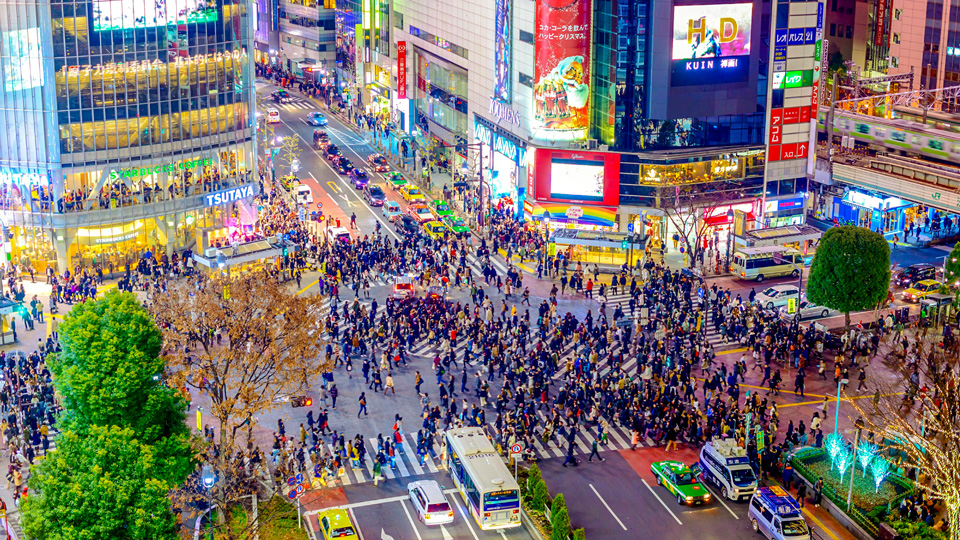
[[435, 229], [412, 193], [921, 289], [336, 524]]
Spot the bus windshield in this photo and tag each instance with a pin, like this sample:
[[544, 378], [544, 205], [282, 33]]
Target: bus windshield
[[499, 500]]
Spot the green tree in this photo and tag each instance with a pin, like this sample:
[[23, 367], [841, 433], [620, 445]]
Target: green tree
[[951, 267], [109, 373], [579, 534], [533, 476], [102, 484], [559, 519], [539, 495], [851, 270]]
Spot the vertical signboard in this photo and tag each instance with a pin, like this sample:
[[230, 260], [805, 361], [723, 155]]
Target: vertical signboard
[[562, 69], [793, 108], [402, 69], [881, 19], [503, 50]]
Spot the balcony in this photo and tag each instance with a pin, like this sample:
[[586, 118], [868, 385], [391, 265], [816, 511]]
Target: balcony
[[107, 210]]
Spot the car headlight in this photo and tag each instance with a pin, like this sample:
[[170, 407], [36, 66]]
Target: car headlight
[[689, 498]]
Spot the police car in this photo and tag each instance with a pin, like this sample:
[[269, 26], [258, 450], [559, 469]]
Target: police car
[[726, 465], [776, 515]]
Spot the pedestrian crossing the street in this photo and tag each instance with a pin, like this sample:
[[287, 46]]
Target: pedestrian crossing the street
[[407, 463]]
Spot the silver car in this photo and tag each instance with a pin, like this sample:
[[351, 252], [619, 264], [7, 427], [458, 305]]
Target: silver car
[[807, 311], [777, 296], [429, 502]]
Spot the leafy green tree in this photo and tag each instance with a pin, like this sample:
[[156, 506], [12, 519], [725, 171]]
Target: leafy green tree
[[109, 373], [579, 534], [559, 519], [851, 270], [951, 267], [102, 484], [533, 476]]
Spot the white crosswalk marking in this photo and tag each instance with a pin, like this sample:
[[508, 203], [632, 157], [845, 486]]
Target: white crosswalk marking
[[411, 454]]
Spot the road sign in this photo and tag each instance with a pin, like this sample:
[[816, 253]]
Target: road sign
[[516, 449], [761, 442], [792, 305], [630, 227], [199, 424]]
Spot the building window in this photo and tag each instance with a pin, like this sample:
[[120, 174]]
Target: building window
[[398, 20], [526, 37], [849, 32], [894, 61], [897, 13], [833, 29], [833, 5], [439, 42], [896, 38], [526, 80]]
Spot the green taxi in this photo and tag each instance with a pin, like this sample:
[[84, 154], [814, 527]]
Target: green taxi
[[441, 208], [396, 179], [681, 482], [456, 224]]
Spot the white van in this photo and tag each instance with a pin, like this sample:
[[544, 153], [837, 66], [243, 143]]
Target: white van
[[304, 194], [273, 116], [776, 515], [726, 465], [338, 234]]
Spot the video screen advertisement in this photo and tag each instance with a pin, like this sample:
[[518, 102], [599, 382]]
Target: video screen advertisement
[[561, 88], [711, 44], [576, 177], [128, 14]]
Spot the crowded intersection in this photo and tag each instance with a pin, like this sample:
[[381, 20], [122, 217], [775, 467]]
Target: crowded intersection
[[595, 373]]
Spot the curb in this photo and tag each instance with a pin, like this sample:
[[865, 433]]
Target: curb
[[529, 526]]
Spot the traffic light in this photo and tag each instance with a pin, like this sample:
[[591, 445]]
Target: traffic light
[[623, 245], [285, 252], [301, 401]]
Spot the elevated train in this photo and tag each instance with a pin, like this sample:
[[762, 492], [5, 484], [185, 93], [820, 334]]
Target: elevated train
[[899, 136]]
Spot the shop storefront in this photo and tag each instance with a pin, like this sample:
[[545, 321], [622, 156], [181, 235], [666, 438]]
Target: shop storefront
[[885, 214], [595, 247], [784, 211], [503, 163]]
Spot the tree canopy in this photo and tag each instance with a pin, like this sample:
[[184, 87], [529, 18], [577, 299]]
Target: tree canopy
[[851, 270], [109, 373], [951, 267], [102, 484]]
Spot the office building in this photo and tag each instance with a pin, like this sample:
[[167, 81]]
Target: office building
[[128, 128]]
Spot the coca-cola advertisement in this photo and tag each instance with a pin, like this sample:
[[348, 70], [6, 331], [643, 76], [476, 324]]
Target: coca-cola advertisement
[[562, 71]]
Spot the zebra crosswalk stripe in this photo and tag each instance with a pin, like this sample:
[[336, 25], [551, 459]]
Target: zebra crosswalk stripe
[[412, 456]]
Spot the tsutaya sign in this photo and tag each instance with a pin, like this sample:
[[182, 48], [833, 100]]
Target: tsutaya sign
[[229, 195]]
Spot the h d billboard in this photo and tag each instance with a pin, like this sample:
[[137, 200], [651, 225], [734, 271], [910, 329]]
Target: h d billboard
[[711, 44], [503, 54], [562, 69], [573, 176]]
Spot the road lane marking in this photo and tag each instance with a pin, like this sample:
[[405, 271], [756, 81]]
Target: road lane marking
[[607, 506], [665, 507], [466, 518], [324, 161], [353, 519], [406, 511], [720, 499]]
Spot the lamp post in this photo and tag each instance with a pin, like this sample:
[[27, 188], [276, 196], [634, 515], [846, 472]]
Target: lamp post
[[546, 240]]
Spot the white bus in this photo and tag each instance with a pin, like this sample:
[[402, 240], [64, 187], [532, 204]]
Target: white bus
[[759, 264], [489, 490]]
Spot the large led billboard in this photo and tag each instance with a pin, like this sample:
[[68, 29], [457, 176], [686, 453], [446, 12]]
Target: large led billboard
[[577, 177], [24, 67], [711, 44], [503, 55], [127, 14], [561, 88]]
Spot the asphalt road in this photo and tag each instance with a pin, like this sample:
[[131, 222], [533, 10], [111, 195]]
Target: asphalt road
[[385, 512]]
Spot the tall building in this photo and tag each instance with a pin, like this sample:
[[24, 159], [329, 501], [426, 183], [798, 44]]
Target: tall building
[[128, 128], [590, 110]]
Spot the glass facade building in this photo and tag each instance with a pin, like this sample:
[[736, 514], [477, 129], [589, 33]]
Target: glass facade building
[[118, 118]]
